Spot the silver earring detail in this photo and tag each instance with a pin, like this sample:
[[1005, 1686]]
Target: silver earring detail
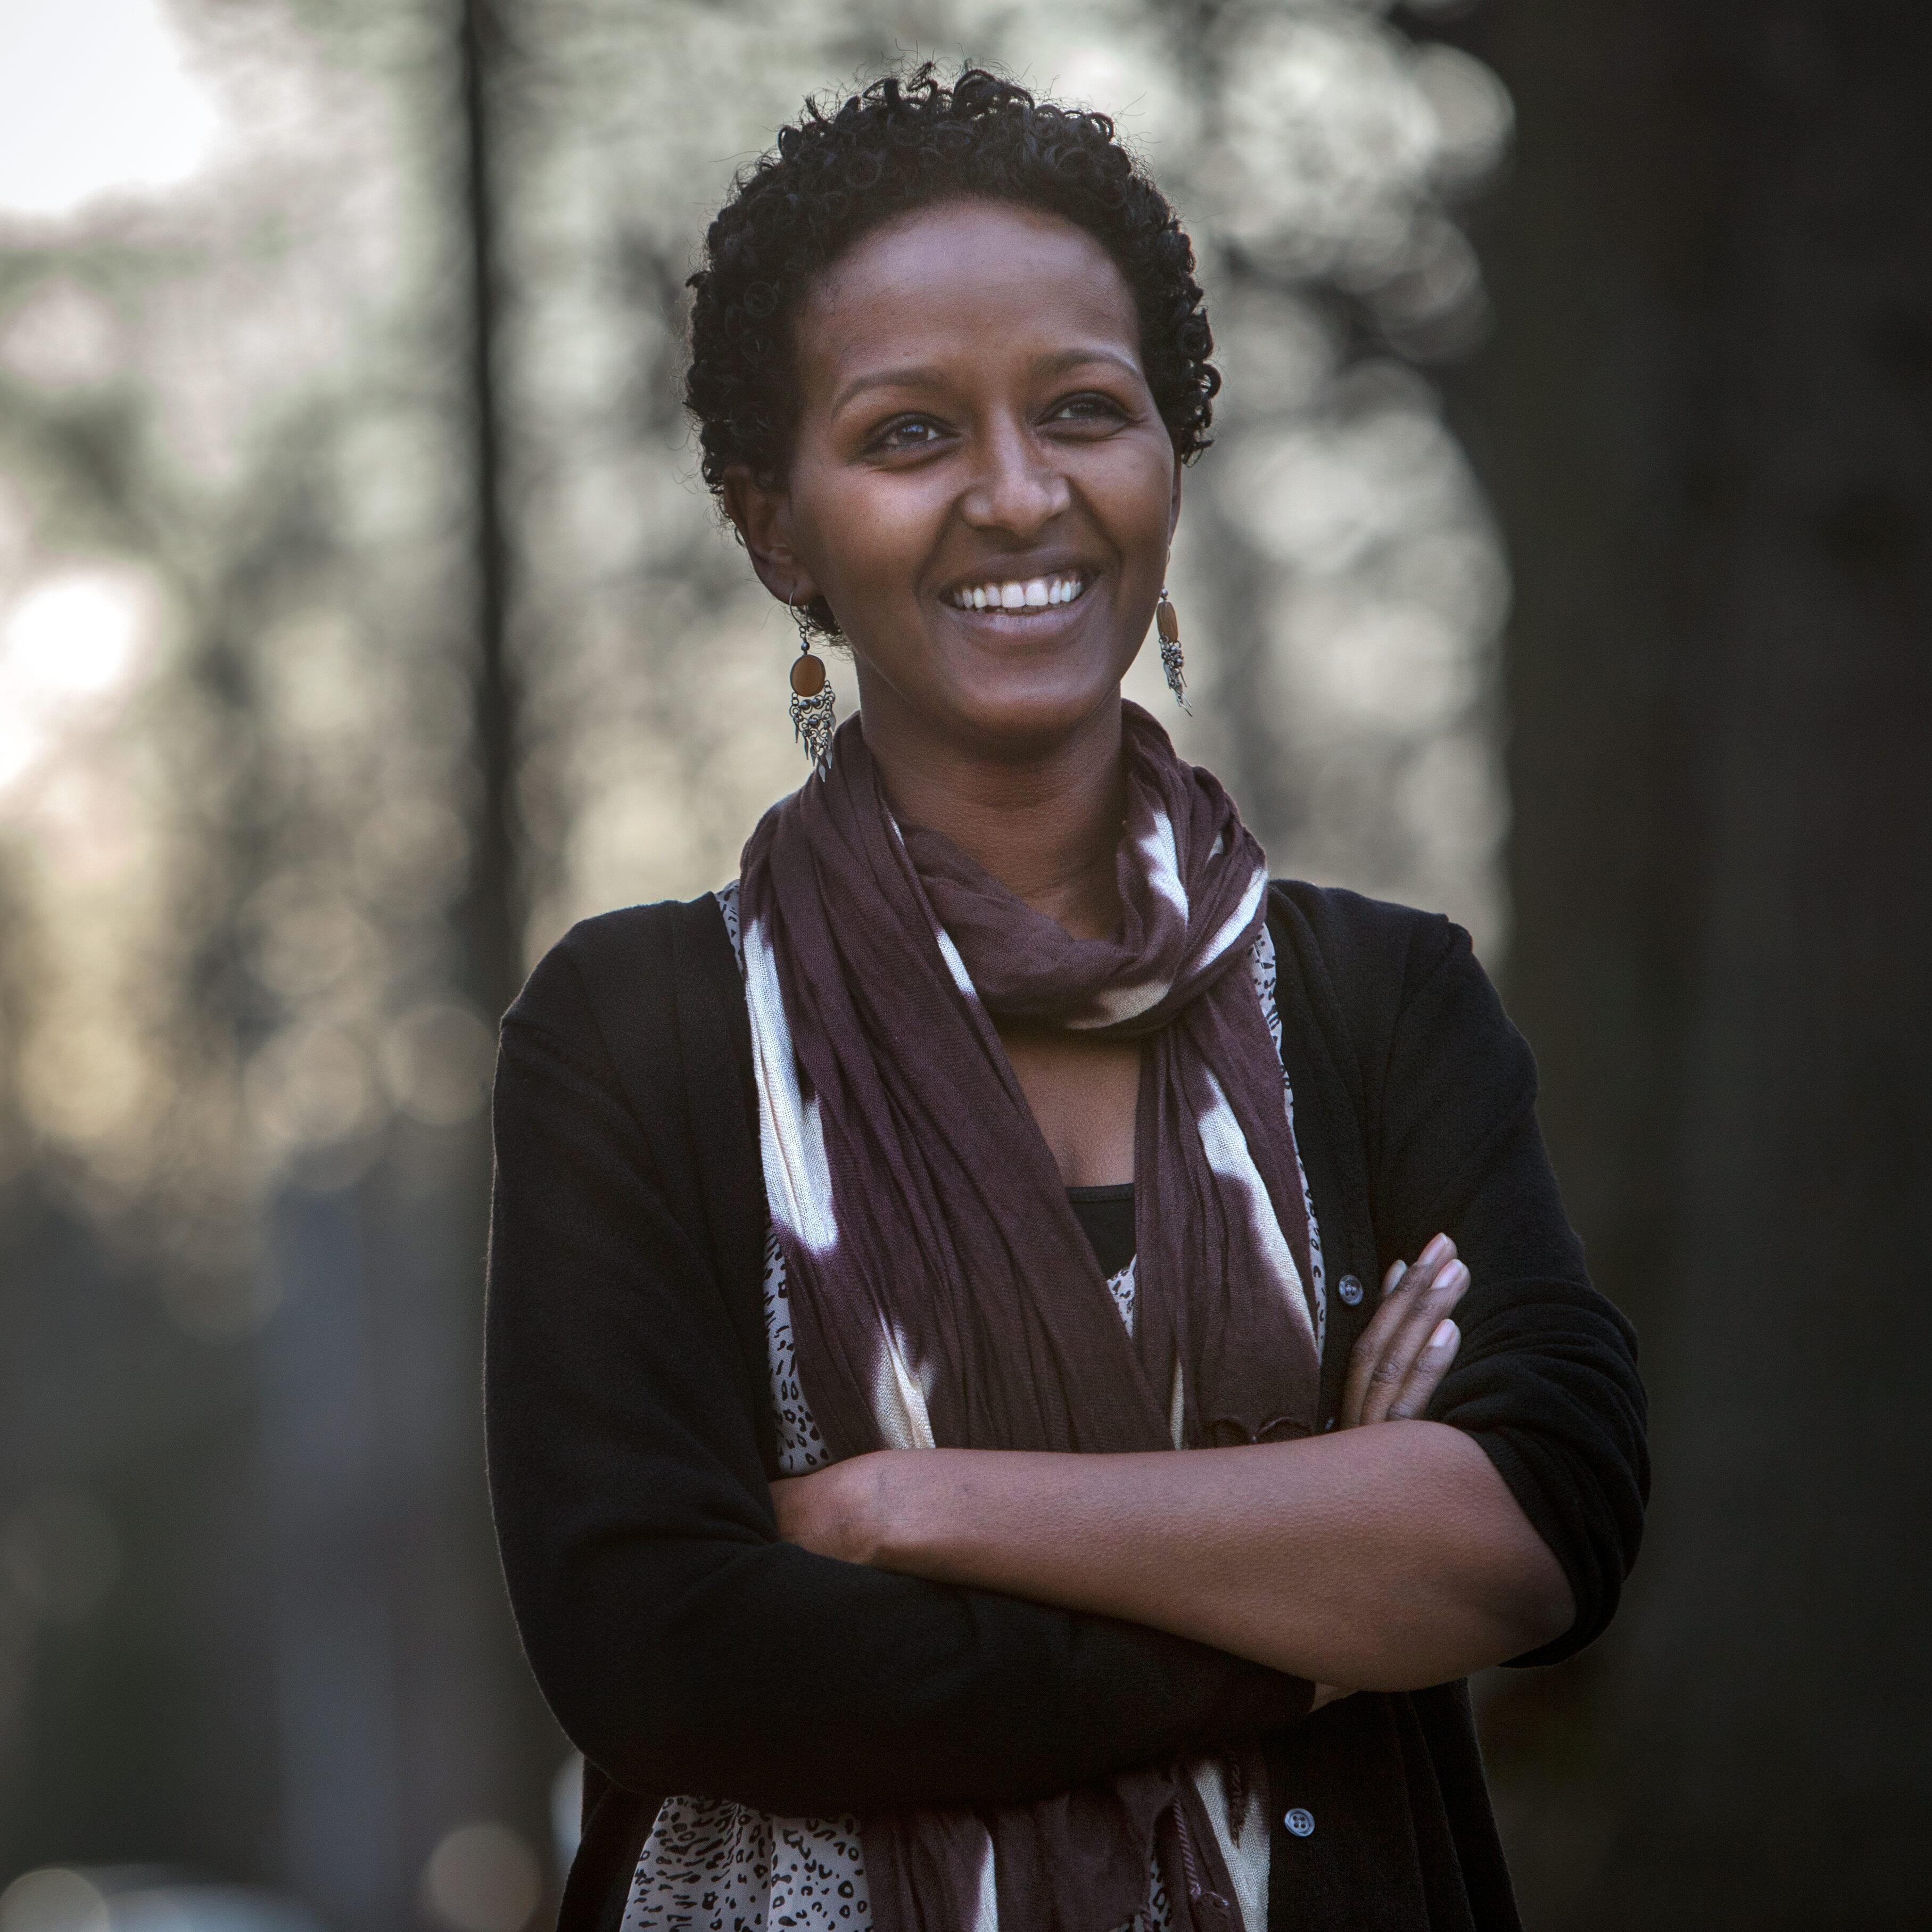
[[814, 714], [1172, 661]]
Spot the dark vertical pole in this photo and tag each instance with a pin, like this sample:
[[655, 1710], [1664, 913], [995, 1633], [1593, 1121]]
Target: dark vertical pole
[[492, 915], [482, 1745]]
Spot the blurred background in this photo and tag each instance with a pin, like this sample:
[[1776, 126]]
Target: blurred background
[[1562, 563]]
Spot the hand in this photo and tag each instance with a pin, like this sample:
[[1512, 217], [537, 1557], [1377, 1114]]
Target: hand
[[837, 1511], [1399, 1360]]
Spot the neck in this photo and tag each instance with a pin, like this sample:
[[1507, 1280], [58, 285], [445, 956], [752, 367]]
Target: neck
[[1045, 822]]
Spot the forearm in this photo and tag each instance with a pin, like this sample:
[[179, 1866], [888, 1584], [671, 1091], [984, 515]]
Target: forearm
[[755, 1679], [1382, 1558], [665, 1623]]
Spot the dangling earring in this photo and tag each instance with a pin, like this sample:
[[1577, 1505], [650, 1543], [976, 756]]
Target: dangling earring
[[813, 707], [1168, 625]]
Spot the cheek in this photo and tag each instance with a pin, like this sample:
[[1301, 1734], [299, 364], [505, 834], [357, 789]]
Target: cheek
[[1141, 498], [870, 534]]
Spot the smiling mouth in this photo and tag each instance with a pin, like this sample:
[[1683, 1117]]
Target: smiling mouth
[[1022, 596]]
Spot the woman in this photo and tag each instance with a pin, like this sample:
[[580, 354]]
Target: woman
[[868, 1235]]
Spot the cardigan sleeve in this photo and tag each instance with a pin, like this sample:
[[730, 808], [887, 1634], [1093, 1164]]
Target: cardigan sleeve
[[683, 1646], [1546, 1379]]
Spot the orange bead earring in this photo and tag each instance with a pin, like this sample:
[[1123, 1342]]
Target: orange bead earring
[[813, 709], [1168, 623]]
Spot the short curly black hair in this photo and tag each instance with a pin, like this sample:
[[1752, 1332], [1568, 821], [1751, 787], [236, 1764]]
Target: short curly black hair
[[906, 142]]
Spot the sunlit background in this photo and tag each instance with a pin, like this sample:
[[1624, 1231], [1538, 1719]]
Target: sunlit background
[[255, 1665]]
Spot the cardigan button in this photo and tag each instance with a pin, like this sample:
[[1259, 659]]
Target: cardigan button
[[1300, 1822], [1350, 1289]]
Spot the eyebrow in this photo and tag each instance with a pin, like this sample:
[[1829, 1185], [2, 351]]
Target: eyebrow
[[910, 375]]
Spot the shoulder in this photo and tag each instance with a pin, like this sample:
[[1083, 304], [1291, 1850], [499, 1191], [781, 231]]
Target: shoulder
[[646, 999], [622, 965], [1368, 956], [644, 1004], [1401, 1000]]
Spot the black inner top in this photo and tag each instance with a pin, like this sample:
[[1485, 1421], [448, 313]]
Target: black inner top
[[1106, 1217]]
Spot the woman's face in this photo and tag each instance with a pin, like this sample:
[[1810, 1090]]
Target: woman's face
[[982, 488]]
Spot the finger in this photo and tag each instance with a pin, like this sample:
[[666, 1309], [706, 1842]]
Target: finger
[[1402, 1286], [1373, 1339], [1399, 1354], [1426, 1378], [1406, 1345], [1403, 1280]]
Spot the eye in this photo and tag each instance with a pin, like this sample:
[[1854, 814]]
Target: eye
[[1088, 408], [904, 432]]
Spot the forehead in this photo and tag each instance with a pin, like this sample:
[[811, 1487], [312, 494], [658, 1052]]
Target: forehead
[[976, 282]]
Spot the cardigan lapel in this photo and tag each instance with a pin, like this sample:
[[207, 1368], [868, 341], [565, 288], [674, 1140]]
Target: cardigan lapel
[[1329, 1121], [714, 1042]]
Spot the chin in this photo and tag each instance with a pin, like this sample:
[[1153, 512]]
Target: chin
[[1024, 717]]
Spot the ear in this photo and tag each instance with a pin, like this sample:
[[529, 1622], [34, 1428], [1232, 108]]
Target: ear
[[1174, 501], [763, 519]]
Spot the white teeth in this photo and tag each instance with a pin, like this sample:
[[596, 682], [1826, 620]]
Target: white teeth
[[1038, 594]]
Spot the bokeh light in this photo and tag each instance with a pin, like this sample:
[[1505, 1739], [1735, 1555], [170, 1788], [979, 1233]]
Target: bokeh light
[[97, 98], [482, 1878]]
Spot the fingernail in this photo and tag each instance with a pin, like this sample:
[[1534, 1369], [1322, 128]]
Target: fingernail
[[1444, 1336], [1453, 1276], [1434, 1252], [1400, 1275]]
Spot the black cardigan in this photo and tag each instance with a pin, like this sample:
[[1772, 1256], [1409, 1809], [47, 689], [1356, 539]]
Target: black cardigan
[[684, 1648]]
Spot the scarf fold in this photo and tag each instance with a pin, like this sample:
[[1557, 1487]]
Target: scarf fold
[[943, 1292]]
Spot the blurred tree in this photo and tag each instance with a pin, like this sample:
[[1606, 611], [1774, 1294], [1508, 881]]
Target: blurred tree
[[264, 893], [491, 914], [1706, 421]]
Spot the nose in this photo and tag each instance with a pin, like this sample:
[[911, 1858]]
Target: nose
[[1017, 489]]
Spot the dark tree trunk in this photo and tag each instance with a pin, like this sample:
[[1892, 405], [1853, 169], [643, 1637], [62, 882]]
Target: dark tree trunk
[[1705, 418], [492, 915], [515, 1744]]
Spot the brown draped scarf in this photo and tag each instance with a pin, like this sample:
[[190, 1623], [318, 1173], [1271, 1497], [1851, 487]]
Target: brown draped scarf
[[942, 1291]]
